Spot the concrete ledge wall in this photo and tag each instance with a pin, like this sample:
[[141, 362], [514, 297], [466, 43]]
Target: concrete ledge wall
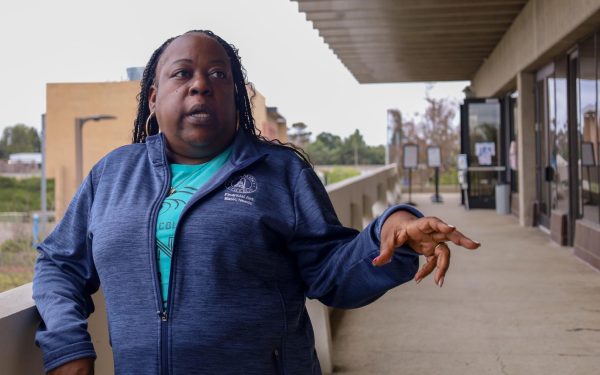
[[543, 29], [356, 200], [587, 238]]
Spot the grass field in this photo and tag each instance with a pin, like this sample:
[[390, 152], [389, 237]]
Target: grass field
[[17, 258], [23, 195]]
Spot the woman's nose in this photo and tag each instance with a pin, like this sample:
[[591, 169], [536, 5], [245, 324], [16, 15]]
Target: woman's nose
[[200, 85]]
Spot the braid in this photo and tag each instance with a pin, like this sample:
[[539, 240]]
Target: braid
[[242, 100], [143, 112]]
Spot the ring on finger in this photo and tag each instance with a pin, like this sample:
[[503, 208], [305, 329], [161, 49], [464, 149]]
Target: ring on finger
[[438, 245]]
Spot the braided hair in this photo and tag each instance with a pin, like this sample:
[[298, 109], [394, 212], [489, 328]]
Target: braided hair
[[242, 100]]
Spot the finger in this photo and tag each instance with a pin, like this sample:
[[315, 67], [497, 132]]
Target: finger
[[443, 263], [426, 269], [461, 240], [429, 225], [388, 246]]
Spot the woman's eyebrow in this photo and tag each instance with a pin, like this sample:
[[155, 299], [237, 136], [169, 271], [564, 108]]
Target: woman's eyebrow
[[189, 61], [181, 61]]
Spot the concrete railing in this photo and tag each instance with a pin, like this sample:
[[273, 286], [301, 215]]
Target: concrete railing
[[356, 200]]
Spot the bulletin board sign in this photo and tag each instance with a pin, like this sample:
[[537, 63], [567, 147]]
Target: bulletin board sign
[[434, 157], [410, 158], [587, 154], [461, 162]]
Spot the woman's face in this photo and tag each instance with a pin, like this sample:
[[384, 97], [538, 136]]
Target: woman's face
[[193, 98]]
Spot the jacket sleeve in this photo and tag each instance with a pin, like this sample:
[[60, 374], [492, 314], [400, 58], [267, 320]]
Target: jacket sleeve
[[64, 279], [335, 261]]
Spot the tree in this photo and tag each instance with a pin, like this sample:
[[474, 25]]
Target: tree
[[433, 128], [325, 150], [298, 134], [437, 128], [330, 149], [355, 151], [19, 138]]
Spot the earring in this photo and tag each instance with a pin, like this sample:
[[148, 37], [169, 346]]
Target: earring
[[148, 123]]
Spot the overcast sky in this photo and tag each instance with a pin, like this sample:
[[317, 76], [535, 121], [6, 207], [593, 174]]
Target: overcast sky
[[95, 41]]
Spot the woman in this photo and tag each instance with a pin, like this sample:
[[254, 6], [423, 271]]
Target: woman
[[207, 238]]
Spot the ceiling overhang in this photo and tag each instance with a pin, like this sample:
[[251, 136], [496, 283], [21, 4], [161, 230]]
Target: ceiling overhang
[[382, 41]]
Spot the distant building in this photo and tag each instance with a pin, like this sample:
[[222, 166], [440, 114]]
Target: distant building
[[34, 158]]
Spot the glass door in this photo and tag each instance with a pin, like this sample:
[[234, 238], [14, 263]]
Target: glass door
[[480, 136], [544, 136]]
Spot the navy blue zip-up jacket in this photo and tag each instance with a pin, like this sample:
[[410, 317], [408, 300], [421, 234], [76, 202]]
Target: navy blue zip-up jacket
[[250, 246]]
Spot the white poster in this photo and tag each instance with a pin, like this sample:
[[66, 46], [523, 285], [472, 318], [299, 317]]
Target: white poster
[[513, 155], [434, 157], [411, 156], [587, 154], [461, 161], [484, 152]]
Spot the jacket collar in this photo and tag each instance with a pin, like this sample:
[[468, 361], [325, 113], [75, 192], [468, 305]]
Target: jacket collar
[[246, 149]]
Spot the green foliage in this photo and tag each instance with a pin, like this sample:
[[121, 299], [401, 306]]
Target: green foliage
[[17, 258], [449, 177], [14, 246], [19, 138], [13, 279], [325, 150], [337, 174], [23, 195], [329, 149]]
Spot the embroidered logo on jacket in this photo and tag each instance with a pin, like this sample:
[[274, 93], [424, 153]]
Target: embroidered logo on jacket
[[240, 186], [244, 184]]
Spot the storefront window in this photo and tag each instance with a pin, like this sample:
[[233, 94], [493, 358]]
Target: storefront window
[[588, 130], [552, 152], [513, 148], [561, 136]]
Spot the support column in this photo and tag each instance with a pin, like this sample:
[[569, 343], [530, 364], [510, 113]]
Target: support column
[[526, 147]]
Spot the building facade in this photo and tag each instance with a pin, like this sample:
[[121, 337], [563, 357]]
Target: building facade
[[531, 120]]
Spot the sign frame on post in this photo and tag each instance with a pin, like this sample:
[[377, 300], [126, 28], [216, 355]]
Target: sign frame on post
[[434, 160], [434, 157], [410, 161], [587, 154], [410, 156]]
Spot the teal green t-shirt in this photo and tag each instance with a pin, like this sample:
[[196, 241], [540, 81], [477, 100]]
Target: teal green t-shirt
[[186, 179]]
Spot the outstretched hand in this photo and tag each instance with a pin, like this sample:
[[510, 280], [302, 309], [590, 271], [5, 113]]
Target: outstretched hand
[[427, 236]]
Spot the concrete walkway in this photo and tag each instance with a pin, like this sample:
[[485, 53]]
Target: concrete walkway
[[519, 305]]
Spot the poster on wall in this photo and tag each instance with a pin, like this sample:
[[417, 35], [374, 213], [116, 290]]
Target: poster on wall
[[484, 152], [513, 155], [434, 157], [587, 154], [411, 156]]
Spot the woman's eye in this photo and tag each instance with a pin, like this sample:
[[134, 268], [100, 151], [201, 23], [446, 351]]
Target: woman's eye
[[218, 74], [181, 74]]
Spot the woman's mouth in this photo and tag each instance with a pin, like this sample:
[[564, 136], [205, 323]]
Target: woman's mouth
[[199, 114]]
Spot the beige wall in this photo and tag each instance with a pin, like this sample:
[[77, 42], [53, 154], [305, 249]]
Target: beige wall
[[269, 128], [66, 101], [543, 29]]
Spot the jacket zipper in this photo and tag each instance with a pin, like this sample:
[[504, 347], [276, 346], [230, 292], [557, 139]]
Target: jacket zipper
[[277, 360], [162, 312]]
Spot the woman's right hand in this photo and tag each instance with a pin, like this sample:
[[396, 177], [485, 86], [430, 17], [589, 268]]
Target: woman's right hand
[[82, 366]]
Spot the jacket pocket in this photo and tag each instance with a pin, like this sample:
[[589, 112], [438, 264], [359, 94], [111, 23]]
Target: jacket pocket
[[277, 362]]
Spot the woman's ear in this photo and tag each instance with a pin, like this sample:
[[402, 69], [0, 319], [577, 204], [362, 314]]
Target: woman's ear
[[152, 98]]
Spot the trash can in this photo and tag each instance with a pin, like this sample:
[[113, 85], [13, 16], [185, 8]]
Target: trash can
[[503, 199]]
